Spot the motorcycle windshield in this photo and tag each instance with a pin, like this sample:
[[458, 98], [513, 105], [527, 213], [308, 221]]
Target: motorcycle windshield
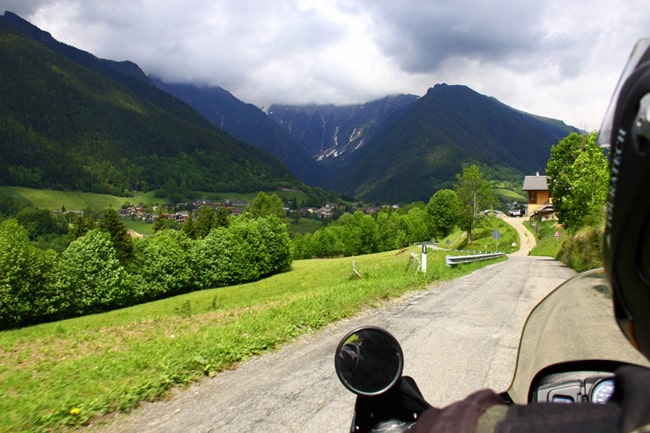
[[573, 323]]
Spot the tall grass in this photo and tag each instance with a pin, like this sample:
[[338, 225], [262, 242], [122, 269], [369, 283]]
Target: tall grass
[[547, 243], [580, 251], [482, 237], [584, 250], [65, 373]]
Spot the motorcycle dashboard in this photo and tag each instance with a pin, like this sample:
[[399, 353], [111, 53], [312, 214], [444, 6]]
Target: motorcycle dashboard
[[575, 387]]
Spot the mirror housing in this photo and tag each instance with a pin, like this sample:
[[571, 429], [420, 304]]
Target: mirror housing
[[369, 361]]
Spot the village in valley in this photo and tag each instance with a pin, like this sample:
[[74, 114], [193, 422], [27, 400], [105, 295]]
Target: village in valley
[[181, 211]]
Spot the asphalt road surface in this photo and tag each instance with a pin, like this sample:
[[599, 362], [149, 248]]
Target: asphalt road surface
[[457, 337]]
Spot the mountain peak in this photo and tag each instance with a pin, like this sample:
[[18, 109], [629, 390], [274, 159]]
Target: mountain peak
[[23, 25], [124, 68]]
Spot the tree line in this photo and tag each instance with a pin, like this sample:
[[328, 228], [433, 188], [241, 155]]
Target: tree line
[[104, 268], [358, 233]]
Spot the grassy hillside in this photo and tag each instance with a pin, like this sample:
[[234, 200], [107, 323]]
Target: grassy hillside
[[547, 243], [68, 372], [73, 200], [482, 239], [76, 200]]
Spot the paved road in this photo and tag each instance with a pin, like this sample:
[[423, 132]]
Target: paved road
[[457, 337]]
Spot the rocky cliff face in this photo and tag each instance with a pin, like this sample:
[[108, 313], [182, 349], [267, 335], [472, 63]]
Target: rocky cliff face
[[332, 134]]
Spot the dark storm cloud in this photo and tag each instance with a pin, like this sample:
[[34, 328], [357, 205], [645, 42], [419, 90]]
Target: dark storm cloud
[[23, 8], [422, 35], [550, 57]]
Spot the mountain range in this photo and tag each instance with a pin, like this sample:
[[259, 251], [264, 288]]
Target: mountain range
[[113, 122], [398, 148]]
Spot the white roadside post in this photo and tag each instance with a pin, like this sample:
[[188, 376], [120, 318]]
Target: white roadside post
[[424, 258]]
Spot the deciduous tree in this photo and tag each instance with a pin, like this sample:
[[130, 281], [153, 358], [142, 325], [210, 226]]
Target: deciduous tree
[[264, 205], [577, 178], [444, 207], [163, 265], [474, 194]]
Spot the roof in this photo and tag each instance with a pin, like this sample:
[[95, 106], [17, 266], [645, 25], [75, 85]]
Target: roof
[[535, 183]]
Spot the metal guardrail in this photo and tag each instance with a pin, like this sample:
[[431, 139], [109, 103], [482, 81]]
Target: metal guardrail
[[455, 260]]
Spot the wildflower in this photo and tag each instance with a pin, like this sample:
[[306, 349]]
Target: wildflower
[[75, 411]]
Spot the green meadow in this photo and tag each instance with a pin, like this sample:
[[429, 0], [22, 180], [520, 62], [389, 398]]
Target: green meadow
[[61, 375]]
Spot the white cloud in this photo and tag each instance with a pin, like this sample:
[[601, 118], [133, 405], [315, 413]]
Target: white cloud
[[554, 58]]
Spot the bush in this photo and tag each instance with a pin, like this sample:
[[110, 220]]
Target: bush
[[215, 259], [583, 251], [89, 278], [162, 265], [23, 277], [276, 242]]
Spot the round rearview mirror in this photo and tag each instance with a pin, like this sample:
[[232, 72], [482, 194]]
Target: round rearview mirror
[[369, 361]]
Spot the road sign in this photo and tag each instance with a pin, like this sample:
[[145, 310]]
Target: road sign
[[496, 236], [557, 234]]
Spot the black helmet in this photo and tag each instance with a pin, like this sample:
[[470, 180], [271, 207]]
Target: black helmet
[[626, 251]]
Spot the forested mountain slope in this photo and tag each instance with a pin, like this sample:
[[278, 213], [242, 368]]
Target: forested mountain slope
[[69, 120]]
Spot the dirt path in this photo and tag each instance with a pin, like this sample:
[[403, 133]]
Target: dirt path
[[527, 240]]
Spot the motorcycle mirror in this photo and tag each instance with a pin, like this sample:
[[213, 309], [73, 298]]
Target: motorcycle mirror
[[369, 361]]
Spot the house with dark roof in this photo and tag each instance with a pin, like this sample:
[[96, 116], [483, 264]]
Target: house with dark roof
[[540, 202]]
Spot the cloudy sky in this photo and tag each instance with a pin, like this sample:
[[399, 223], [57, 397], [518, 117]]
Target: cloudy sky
[[555, 58]]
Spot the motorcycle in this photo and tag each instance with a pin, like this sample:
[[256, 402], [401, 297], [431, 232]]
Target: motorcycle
[[568, 352]]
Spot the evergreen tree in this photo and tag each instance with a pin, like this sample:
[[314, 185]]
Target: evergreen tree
[[222, 217], [189, 227], [122, 242], [80, 225], [206, 220]]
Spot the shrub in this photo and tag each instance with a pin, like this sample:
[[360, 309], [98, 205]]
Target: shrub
[[583, 251], [23, 277], [89, 278], [276, 242], [162, 265], [214, 259]]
